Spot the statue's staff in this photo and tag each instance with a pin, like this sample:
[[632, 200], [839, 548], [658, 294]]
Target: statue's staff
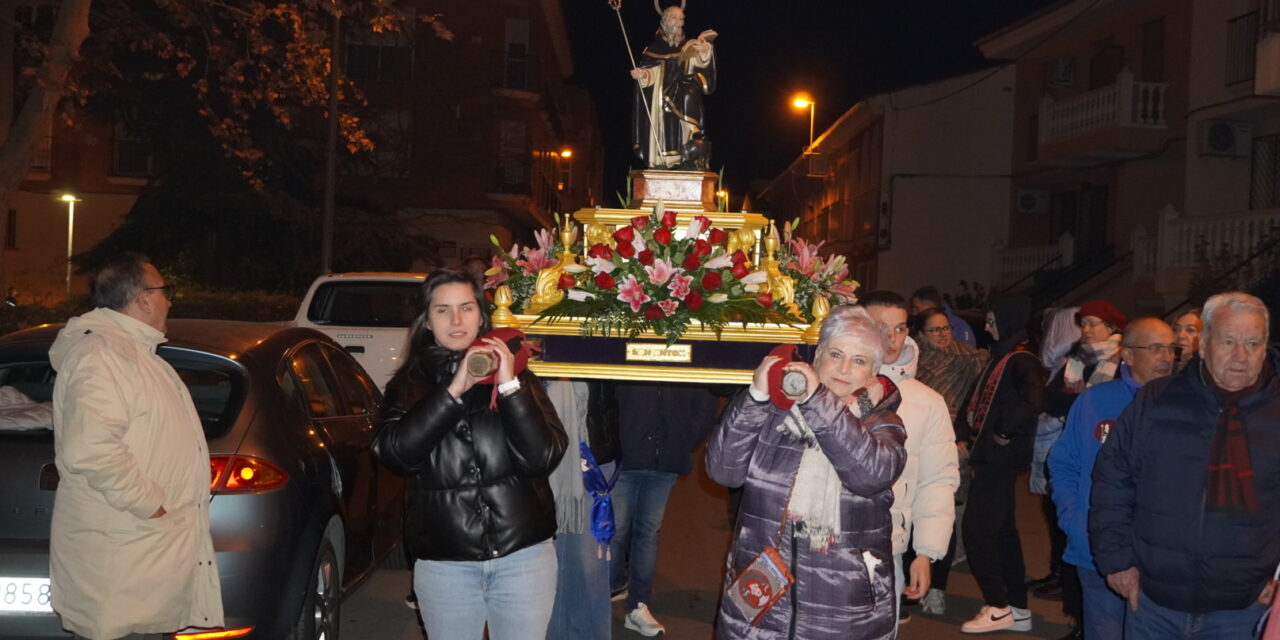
[[616, 5]]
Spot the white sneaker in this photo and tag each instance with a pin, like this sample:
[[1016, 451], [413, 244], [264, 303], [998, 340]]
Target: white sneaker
[[990, 619], [1021, 619], [643, 622], [934, 603]]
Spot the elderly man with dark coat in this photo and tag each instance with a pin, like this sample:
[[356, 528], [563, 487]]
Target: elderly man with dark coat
[[817, 477], [1185, 507]]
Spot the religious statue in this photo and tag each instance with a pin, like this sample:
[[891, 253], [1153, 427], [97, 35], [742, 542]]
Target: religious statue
[[671, 77]]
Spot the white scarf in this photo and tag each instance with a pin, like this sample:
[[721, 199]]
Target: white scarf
[[815, 495], [573, 505], [1104, 353]]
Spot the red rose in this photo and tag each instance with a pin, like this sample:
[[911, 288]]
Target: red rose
[[705, 222], [624, 235], [640, 222], [662, 236], [765, 299], [646, 258], [739, 257], [691, 262], [652, 312], [701, 248], [566, 281], [668, 218], [740, 271], [693, 300], [711, 280], [718, 236], [605, 281], [625, 249], [600, 251]]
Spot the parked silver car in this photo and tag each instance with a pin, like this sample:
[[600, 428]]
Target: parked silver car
[[301, 513]]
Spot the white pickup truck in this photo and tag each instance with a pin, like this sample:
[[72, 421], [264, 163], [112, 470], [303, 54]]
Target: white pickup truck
[[368, 314]]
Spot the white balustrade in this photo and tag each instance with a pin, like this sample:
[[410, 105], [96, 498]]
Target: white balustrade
[[1240, 233], [1017, 263], [1123, 103]]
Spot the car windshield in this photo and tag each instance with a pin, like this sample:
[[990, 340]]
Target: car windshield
[[365, 304], [216, 387]]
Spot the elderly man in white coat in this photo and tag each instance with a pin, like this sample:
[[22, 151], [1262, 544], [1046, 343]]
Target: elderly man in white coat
[[924, 495], [130, 549]]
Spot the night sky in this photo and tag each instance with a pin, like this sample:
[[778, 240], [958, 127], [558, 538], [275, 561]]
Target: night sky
[[837, 50]]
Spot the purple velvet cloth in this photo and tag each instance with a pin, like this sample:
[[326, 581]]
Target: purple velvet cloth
[[835, 594]]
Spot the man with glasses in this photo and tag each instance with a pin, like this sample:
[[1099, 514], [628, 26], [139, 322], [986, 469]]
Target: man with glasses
[[1184, 518], [130, 554], [924, 495], [1147, 351]]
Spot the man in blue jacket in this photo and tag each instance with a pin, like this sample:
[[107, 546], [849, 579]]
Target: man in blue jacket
[[1148, 353], [1185, 513]]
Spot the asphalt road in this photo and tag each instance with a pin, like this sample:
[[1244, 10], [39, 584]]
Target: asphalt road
[[695, 538]]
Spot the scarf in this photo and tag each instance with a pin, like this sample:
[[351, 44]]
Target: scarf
[[985, 393], [814, 502], [950, 370], [1105, 354], [1229, 480], [573, 505]]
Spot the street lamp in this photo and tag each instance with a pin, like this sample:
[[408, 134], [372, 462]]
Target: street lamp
[[71, 201], [803, 101]]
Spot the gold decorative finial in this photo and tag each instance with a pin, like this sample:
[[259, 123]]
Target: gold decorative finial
[[546, 288], [502, 316], [820, 308], [781, 287]]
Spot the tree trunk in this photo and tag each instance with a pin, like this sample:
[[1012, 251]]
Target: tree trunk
[[70, 30]]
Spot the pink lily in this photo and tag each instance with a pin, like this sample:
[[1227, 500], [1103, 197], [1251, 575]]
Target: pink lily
[[630, 290], [679, 286], [722, 261], [668, 306], [660, 272]]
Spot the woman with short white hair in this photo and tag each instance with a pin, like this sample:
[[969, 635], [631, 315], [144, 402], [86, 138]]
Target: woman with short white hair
[[817, 455]]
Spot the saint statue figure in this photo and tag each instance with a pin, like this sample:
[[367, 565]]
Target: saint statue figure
[[672, 75]]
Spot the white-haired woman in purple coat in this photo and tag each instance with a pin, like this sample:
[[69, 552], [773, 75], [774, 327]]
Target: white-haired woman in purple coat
[[817, 481]]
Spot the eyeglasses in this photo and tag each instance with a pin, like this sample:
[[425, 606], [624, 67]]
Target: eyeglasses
[[168, 291], [1089, 324], [1157, 349], [937, 331]]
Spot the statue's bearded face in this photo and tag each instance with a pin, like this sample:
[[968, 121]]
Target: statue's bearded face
[[673, 25]]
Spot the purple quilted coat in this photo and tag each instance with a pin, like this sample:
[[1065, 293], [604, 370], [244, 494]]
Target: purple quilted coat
[[838, 593]]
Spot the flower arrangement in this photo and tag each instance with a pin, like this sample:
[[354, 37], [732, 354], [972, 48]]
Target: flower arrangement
[[814, 275], [646, 277]]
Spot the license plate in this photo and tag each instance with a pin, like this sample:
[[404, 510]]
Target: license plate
[[25, 595]]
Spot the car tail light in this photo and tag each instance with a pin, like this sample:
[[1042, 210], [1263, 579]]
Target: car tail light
[[237, 474], [211, 635]]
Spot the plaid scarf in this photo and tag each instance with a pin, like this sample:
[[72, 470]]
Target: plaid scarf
[[1229, 482], [984, 394]]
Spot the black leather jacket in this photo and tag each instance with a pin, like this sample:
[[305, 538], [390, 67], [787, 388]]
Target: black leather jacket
[[477, 478]]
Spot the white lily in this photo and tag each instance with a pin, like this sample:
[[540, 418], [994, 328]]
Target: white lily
[[579, 295], [694, 228], [756, 277], [601, 265], [718, 298], [722, 261], [575, 268]]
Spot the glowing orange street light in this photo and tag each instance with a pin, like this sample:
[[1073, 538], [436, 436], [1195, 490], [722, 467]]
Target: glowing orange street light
[[803, 101], [566, 153]]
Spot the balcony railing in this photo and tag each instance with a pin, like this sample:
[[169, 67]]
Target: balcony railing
[[1181, 239], [1015, 265], [1126, 103], [42, 154], [1269, 16], [1242, 41]]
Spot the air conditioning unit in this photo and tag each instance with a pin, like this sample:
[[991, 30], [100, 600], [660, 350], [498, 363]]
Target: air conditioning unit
[[818, 165], [1225, 138], [1031, 201]]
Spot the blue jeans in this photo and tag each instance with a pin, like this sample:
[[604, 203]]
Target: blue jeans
[[582, 593], [513, 593], [1154, 622], [1104, 609], [639, 500]]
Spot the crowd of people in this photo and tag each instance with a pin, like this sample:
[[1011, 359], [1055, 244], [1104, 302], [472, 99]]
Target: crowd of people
[[855, 477]]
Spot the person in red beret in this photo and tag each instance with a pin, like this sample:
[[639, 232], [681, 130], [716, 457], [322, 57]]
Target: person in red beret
[[1094, 359]]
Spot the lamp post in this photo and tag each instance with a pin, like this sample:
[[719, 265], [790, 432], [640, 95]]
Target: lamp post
[[71, 201], [803, 101]]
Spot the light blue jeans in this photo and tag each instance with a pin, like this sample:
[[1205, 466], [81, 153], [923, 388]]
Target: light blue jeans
[[513, 593], [639, 502], [1154, 622], [582, 594]]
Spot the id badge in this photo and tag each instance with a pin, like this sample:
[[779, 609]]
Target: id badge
[[760, 585]]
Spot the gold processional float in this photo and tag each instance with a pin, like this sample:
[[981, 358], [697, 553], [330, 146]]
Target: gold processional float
[[670, 290]]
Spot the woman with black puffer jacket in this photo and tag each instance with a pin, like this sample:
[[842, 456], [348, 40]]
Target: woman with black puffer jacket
[[481, 515]]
